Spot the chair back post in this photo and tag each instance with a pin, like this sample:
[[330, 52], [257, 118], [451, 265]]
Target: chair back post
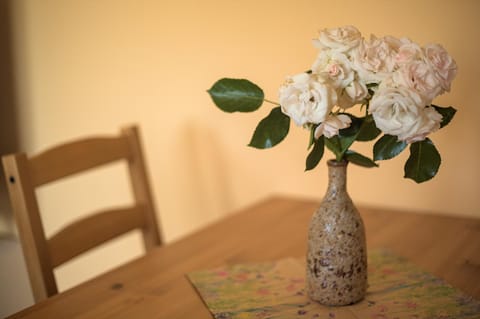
[[141, 188], [31, 233]]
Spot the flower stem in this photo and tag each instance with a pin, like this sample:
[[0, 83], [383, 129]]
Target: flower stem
[[339, 156], [271, 102]]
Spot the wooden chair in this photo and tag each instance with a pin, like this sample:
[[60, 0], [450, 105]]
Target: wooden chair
[[24, 174]]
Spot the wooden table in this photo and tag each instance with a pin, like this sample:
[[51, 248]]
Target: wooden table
[[155, 285]]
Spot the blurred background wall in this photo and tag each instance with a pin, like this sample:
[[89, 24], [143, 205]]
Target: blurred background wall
[[77, 67]]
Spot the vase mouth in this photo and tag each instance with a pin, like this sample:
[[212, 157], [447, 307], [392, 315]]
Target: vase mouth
[[333, 162]]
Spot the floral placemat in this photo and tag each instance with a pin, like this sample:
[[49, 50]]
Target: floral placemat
[[397, 289]]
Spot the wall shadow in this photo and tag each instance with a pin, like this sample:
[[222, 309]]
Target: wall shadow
[[9, 137]]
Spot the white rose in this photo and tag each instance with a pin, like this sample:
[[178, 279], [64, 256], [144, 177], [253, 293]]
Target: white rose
[[443, 64], [339, 39], [400, 111], [431, 123], [374, 60], [305, 99], [420, 77], [356, 92], [332, 125], [334, 66]]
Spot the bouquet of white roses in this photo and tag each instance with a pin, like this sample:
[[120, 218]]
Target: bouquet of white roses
[[393, 81]]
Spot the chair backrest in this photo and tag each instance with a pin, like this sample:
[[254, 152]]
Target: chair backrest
[[24, 174]]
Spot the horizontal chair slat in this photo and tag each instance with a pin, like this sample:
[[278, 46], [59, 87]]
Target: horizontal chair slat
[[92, 231], [72, 158]]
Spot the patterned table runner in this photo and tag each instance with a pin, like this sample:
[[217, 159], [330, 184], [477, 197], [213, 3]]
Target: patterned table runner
[[397, 289]]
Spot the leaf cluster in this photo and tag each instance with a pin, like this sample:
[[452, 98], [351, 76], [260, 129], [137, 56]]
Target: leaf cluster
[[240, 95]]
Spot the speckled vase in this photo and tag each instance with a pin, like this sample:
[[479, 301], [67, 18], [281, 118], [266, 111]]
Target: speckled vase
[[337, 253]]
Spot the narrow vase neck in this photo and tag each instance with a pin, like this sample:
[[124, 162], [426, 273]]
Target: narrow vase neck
[[337, 176]]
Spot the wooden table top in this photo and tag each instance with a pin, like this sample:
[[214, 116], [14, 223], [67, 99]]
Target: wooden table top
[[155, 285]]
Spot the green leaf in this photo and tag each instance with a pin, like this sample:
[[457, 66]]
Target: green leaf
[[346, 141], [387, 147], [271, 130], [236, 95], [354, 127], [361, 129], [368, 131], [339, 144], [447, 114], [334, 145], [424, 161], [315, 155], [359, 159]]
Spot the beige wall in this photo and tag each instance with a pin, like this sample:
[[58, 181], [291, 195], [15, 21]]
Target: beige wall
[[89, 66]]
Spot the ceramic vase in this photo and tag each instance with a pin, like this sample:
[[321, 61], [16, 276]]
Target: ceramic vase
[[337, 253]]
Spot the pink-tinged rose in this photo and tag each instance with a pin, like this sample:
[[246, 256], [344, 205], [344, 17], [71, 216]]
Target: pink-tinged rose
[[401, 112], [408, 52], [335, 67], [443, 64], [374, 60], [420, 77], [305, 99], [340, 39], [332, 125]]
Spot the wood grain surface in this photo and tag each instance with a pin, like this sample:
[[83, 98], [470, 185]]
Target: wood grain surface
[[155, 285]]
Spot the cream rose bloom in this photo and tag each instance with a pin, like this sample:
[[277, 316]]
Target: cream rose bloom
[[334, 66], [332, 125], [443, 64], [408, 52], [355, 93], [419, 76], [374, 60], [305, 99], [340, 39], [400, 111]]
